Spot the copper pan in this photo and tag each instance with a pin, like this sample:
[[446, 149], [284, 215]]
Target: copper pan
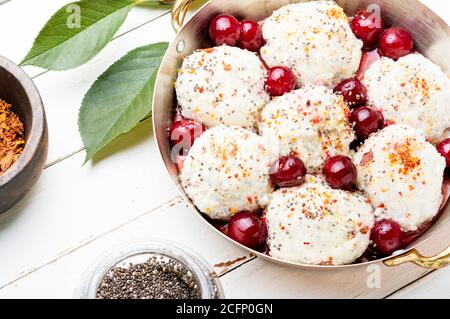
[[432, 38]]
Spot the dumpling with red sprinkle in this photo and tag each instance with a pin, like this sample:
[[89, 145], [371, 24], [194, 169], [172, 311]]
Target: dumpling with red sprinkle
[[315, 224], [311, 122], [222, 85], [314, 40], [226, 172], [412, 91], [402, 174]]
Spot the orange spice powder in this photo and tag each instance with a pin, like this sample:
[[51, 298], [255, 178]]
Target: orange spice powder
[[12, 138]]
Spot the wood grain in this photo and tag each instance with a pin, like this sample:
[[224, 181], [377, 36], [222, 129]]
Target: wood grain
[[62, 274], [434, 285], [62, 110], [255, 279], [27, 17]]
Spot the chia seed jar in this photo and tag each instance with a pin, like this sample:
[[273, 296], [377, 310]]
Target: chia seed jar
[[138, 252]]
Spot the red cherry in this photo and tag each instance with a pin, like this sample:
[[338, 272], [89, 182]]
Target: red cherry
[[366, 120], [387, 236], [353, 92], [225, 29], [444, 149], [251, 35], [340, 172], [288, 171], [247, 229], [395, 42], [280, 80], [184, 132], [368, 27]]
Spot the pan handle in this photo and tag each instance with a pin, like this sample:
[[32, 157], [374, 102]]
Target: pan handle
[[179, 10], [434, 262]]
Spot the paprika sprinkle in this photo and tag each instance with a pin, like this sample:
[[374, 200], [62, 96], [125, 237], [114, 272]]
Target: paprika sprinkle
[[12, 138]]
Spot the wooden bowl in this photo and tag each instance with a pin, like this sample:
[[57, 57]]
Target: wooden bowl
[[17, 88]]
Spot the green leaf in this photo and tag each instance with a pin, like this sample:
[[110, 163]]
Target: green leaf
[[156, 4], [77, 32], [120, 98]]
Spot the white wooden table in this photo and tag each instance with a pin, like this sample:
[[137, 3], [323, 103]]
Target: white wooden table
[[75, 212]]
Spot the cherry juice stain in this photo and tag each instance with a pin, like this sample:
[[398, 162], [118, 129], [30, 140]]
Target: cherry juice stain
[[367, 59]]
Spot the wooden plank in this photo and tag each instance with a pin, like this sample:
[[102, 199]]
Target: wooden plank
[[62, 92], [24, 19], [441, 8], [254, 278], [80, 189], [75, 212], [260, 279], [72, 205], [72, 202], [434, 285], [63, 274]]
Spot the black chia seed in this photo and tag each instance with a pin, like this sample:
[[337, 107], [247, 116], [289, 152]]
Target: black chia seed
[[157, 277]]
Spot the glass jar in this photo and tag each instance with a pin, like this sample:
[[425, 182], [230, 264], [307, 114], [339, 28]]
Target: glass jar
[[207, 280]]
